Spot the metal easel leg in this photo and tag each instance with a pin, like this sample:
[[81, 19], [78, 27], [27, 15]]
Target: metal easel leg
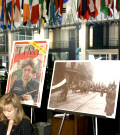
[[62, 124], [96, 126]]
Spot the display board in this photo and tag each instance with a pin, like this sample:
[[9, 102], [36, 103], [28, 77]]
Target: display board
[[27, 70], [87, 87]]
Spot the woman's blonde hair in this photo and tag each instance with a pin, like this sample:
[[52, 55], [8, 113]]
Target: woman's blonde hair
[[11, 99]]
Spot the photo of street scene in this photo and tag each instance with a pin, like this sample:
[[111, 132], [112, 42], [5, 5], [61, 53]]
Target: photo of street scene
[[87, 87]]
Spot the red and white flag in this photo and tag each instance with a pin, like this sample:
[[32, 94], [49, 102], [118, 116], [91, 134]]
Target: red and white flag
[[17, 14], [92, 8], [98, 4], [35, 11]]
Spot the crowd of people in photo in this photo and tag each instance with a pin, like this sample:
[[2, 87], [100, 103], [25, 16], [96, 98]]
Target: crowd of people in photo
[[76, 85], [85, 86]]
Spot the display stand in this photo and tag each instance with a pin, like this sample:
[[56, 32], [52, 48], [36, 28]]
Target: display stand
[[32, 112], [94, 120], [62, 124], [95, 127]]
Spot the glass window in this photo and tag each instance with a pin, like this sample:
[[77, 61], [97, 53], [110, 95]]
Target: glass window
[[99, 56], [21, 37], [114, 57], [29, 32]]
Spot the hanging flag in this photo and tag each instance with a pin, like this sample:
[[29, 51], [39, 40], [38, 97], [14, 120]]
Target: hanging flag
[[79, 8], [35, 11], [118, 5], [40, 7], [9, 12], [85, 9], [2, 15], [67, 5], [26, 11], [107, 10], [0, 8], [92, 8], [48, 8], [98, 5], [5, 16], [17, 14], [58, 7], [52, 13]]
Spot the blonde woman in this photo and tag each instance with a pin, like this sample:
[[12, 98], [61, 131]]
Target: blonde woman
[[13, 120]]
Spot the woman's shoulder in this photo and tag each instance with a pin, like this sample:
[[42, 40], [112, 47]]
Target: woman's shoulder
[[2, 124], [25, 121]]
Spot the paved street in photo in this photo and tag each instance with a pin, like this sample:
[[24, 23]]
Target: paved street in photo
[[92, 102]]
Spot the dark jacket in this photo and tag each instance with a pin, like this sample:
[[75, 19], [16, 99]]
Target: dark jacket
[[23, 128], [31, 88]]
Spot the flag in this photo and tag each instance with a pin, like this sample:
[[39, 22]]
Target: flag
[[26, 11], [58, 7], [10, 4], [98, 4], [5, 16], [17, 14], [79, 8], [0, 8], [118, 5], [35, 11], [92, 8], [85, 9], [52, 13], [67, 5], [2, 15], [108, 10]]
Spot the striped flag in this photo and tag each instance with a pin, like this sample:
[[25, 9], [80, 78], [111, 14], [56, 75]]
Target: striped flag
[[118, 5], [2, 15], [26, 11], [85, 9], [5, 16], [52, 12], [98, 4], [92, 8], [35, 11], [79, 8], [17, 14], [0, 8], [10, 12], [107, 8], [58, 7]]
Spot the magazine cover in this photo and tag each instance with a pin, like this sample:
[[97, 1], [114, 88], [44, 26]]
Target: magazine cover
[[87, 87], [27, 70]]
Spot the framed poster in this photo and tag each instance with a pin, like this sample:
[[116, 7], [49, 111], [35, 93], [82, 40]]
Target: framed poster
[[87, 87], [27, 70]]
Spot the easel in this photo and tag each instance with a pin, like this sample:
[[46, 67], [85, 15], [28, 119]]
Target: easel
[[94, 120], [95, 126], [62, 124]]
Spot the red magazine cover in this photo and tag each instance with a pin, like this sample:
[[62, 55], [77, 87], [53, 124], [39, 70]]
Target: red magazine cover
[[27, 70]]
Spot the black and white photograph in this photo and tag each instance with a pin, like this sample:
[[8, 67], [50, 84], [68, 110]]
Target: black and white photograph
[[87, 87]]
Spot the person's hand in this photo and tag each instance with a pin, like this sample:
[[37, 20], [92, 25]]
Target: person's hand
[[27, 97]]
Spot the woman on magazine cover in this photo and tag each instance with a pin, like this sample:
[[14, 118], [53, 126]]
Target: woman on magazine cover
[[13, 120]]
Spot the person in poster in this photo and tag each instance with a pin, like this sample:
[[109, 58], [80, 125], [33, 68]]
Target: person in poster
[[26, 87]]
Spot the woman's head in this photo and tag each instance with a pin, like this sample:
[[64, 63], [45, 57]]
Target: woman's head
[[11, 108]]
